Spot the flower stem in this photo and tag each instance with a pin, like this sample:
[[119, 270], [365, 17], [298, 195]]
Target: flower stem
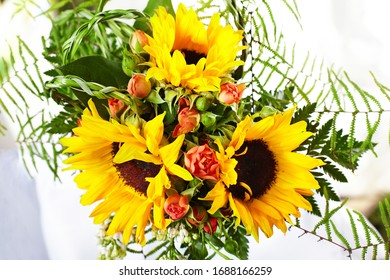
[[217, 251]]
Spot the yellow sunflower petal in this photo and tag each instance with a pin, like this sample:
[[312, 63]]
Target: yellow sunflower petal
[[170, 153], [260, 129], [103, 151], [153, 132], [273, 179], [218, 195], [240, 133], [140, 219], [183, 52]]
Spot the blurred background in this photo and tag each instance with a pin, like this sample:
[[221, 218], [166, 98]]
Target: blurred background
[[42, 219]]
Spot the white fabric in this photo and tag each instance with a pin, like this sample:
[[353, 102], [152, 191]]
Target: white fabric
[[20, 222]]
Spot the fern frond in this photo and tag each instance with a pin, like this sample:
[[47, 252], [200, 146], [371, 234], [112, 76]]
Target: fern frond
[[334, 172], [384, 90], [384, 208], [157, 248], [328, 215], [25, 6], [354, 229], [271, 16], [340, 236], [294, 10], [3, 128], [335, 92], [320, 137]]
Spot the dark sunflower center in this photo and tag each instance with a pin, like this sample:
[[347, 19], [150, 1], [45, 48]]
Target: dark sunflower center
[[134, 172], [256, 168], [192, 57]]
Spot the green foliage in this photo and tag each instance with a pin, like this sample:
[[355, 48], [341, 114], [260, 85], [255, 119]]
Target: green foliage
[[364, 237], [104, 29], [384, 208], [106, 72], [63, 122]]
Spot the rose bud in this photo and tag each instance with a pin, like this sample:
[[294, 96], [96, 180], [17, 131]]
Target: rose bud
[[129, 63], [208, 119], [188, 118], [139, 86], [176, 206], [231, 93], [213, 222], [202, 162], [138, 40], [199, 216], [204, 102], [116, 106]]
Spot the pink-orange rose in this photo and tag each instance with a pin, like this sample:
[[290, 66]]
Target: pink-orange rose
[[176, 206], [188, 118], [231, 93], [139, 86], [202, 162], [116, 106]]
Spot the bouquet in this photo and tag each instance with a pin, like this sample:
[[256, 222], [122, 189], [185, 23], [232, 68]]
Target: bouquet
[[174, 137]]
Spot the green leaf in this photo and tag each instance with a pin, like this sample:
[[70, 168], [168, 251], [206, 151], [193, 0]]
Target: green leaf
[[62, 123], [325, 187], [154, 4], [231, 246], [304, 113], [320, 137], [315, 208], [214, 240], [334, 172], [155, 98], [95, 69], [340, 151], [198, 251], [239, 235], [149, 11]]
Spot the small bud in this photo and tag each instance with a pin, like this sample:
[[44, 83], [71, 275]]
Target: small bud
[[203, 103], [138, 40], [211, 225], [139, 86], [187, 239], [173, 232], [208, 119], [188, 118], [129, 63], [116, 106], [199, 216]]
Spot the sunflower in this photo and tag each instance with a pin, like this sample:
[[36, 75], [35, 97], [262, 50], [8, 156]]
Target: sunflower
[[126, 168], [184, 53], [261, 178]]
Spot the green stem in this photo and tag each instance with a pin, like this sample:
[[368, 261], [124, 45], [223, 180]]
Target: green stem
[[102, 3], [217, 251]]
